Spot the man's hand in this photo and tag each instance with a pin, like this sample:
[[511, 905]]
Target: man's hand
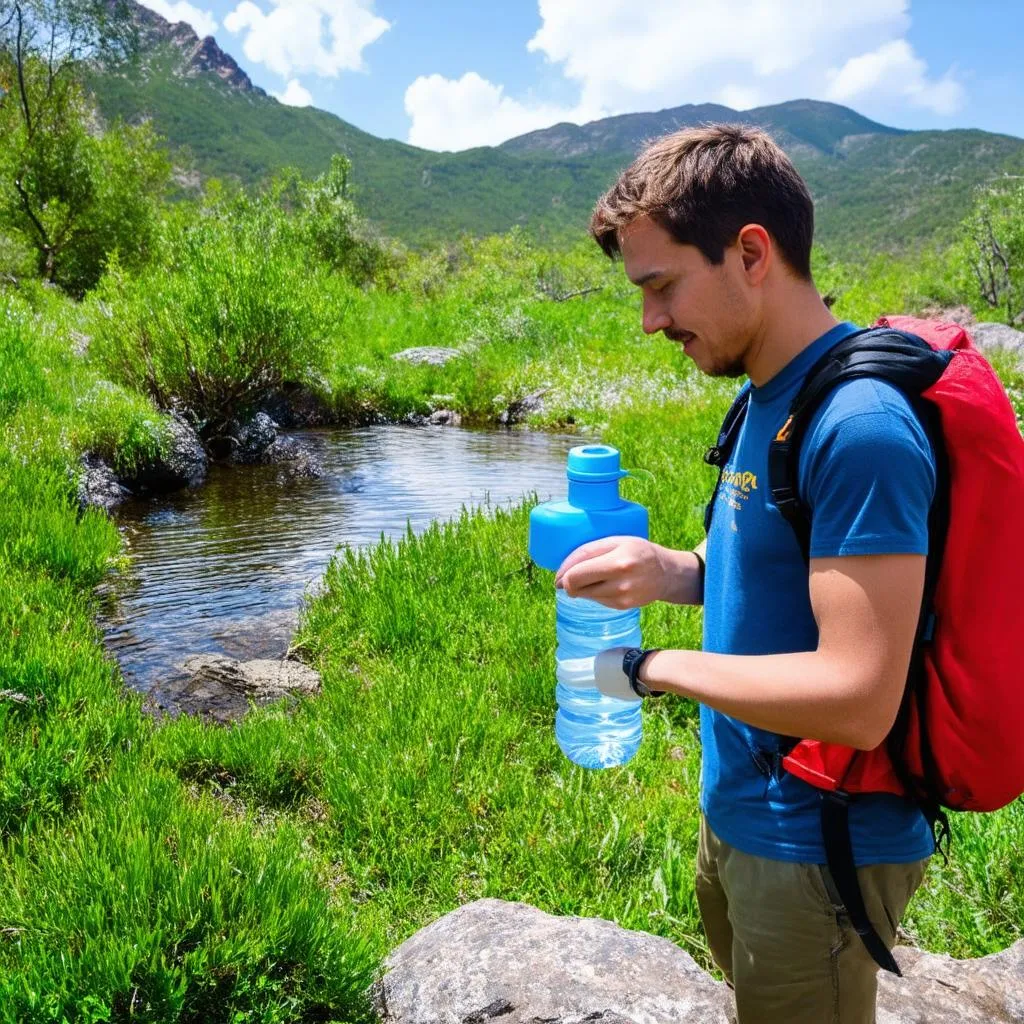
[[629, 572]]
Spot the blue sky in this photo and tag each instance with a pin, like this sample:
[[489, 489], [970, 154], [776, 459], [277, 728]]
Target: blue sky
[[451, 74]]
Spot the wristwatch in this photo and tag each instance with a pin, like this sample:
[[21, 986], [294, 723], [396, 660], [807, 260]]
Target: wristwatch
[[632, 659]]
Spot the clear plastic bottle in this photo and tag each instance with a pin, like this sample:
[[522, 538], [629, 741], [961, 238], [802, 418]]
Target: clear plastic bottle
[[592, 730]]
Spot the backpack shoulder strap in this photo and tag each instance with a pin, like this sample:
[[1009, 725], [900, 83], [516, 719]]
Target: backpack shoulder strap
[[912, 365], [903, 360], [718, 454]]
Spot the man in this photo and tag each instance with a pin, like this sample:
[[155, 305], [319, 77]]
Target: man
[[714, 225]]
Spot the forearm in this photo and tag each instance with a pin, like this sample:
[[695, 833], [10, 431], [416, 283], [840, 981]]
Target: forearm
[[805, 694], [685, 580]]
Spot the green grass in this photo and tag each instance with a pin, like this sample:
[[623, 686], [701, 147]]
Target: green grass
[[261, 872]]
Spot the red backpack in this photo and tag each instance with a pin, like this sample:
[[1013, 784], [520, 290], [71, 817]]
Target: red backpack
[[958, 740]]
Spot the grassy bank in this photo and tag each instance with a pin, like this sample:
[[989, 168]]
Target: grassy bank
[[261, 873]]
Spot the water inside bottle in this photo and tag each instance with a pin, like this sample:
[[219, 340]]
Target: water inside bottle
[[593, 730]]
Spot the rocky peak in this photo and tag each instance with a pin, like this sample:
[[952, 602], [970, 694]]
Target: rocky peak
[[199, 56]]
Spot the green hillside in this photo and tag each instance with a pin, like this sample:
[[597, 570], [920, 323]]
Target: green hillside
[[874, 186]]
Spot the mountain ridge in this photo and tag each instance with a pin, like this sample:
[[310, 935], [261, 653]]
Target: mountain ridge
[[875, 187], [824, 127], [201, 55]]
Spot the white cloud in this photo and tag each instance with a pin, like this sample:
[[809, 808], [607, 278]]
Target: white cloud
[[664, 53], [739, 97], [453, 115], [624, 56], [894, 70], [321, 36], [294, 95], [202, 22]]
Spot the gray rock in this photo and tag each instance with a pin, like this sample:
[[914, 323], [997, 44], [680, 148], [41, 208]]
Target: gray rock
[[432, 355], [222, 689], [254, 438], [295, 459], [997, 336], [937, 989], [492, 960], [98, 485], [185, 458], [258, 442], [445, 418], [296, 406], [520, 408], [183, 463]]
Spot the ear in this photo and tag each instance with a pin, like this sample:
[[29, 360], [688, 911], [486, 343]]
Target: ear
[[755, 247]]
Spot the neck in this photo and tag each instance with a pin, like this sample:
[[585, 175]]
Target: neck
[[792, 321]]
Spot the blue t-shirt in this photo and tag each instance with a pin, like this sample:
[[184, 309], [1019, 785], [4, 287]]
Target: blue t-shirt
[[868, 474]]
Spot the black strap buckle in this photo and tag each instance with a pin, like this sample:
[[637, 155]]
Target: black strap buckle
[[713, 456]]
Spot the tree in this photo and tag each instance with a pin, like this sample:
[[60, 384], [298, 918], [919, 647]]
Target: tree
[[992, 246], [73, 192]]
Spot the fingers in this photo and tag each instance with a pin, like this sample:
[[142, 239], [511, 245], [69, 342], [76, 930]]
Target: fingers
[[612, 594], [606, 569], [584, 552]]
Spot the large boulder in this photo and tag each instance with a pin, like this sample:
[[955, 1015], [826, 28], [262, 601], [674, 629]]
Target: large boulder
[[509, 962], [492, 960], [253, 439], [937, 989]]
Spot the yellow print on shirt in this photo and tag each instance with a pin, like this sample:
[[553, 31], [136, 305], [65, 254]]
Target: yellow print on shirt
[[740, 479], [736, 487]]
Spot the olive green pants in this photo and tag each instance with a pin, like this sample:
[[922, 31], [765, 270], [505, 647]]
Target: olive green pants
[[779, 932]]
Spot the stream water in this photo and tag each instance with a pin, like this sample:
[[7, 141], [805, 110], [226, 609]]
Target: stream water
[[224, 568]]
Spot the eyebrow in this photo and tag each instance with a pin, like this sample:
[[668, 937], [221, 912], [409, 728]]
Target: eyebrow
[[644, 278]]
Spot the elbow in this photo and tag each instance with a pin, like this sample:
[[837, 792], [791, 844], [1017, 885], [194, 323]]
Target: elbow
[[867, 738], [870, 727]]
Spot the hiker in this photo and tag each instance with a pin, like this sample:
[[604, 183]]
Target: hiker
[[714, 225]]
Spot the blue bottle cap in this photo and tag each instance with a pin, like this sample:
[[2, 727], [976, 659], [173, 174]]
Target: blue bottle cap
[[594, 463]]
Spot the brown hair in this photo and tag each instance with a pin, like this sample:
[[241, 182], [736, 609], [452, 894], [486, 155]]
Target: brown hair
[[703, 184]]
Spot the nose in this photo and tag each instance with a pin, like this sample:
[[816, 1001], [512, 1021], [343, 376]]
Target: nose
[[655, 317]]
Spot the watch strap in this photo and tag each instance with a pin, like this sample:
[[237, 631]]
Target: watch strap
[[632, 659], [702, 567]]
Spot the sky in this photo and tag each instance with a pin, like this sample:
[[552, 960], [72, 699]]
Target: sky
[[454, 74]]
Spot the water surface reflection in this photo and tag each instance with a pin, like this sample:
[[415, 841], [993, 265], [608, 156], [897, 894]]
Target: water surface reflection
[[224, 569]]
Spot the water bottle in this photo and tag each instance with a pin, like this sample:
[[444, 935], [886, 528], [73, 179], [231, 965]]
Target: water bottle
[[592, 730]]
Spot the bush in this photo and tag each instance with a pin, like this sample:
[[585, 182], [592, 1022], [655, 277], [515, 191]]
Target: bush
[[330, 229], [235, 312]]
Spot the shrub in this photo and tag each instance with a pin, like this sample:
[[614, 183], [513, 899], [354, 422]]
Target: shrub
[[236, 312]]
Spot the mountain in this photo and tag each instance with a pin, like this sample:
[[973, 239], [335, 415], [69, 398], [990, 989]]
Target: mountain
[[196, 56], [804, 126], [874, 186]]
